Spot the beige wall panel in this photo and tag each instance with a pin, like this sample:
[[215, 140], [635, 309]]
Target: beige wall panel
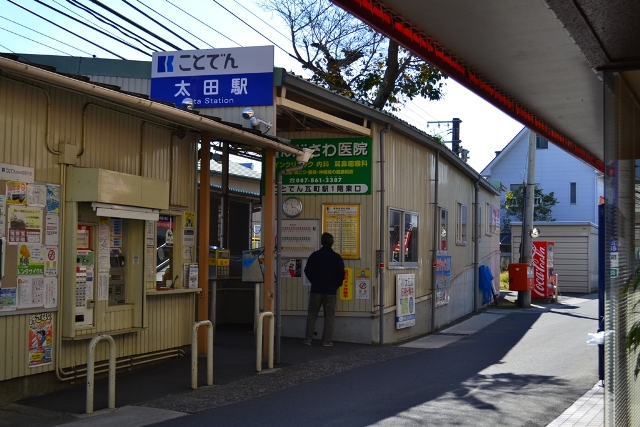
[[128, 84], [184, 158], [169, 327], [113, 140], [25, 112], [156, 151]]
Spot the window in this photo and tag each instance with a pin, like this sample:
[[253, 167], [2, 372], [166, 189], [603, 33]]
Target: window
[[461, 225], [403, 238], [488, 222], [541, 143], [443, 229], [573, 190]]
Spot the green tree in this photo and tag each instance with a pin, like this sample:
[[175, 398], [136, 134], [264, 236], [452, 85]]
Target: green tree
[[348, 57], [513, 204]]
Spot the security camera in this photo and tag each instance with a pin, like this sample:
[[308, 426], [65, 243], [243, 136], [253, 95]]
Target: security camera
[[255, 122]]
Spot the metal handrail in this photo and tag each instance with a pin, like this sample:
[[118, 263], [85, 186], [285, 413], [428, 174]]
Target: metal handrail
[[90, 371], [259, 340], [194, 353]]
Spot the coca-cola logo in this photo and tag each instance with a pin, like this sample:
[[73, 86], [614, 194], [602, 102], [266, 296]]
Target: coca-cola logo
[[539, 256]]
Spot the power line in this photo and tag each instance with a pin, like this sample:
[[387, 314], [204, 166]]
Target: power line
[[182, 28], [140, 27], [184, 11], [42, 34], [86, 25], [35, 41], [124, 31], [272, 27], [245, 23], [158, 23], [65, 29]]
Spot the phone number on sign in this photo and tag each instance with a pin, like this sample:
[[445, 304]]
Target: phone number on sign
[[328, 180]]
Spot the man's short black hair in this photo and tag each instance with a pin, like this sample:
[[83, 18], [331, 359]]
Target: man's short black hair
[[326, 240]]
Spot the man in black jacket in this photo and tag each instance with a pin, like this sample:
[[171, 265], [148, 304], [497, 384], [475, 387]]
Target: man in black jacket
[[325, 271]]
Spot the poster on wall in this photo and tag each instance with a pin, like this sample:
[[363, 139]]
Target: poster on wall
[[16, 193], [189, 219], [30, 260], [343, 222], [53, 199], [345, 292], [40, 339], [405, 300], [115, 229], [299, 237], [443, 274], [149, 232], [50, 292], [30, 292], [7, 299], [52, 230], [3, 215], [363, 282], [37, 195], [291, 268], [25, 224], [51, 261]]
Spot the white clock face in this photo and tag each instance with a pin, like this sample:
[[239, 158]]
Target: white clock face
[[292, 206]]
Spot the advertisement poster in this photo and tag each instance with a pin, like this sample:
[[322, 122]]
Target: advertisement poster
[[16, 193], [443, 274], [36, 195], [10, 172], [193, 276], [25, 224], [405, 300], [291, 268], [40, 339], [189, 219], [30, 260], [299, 237], [53, 199], [341, 166], [345, 292], [3, 216], [52, 230], [363, 282], [51, 263], [7, 299], [343, 222], [30, 292], [495, 219]]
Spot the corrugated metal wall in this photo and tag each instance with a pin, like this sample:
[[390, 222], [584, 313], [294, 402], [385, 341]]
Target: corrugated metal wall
[[109, 138], [575, 254]]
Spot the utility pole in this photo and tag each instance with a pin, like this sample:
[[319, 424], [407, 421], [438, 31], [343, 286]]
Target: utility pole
[[524, 297]]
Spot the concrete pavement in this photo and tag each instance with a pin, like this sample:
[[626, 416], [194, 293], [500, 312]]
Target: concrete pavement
[[162, 392]]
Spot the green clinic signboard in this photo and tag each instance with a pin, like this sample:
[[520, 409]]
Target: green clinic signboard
[[338, 166]]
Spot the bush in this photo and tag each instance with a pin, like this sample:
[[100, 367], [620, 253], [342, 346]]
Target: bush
[[504, 280]]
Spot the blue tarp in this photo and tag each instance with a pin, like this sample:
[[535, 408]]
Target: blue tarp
[[486, 284]]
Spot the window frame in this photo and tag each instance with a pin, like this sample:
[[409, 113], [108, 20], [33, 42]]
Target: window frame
[[488, 222], [406, 216], [461, 224], [541, 143], [443, 221], [573, 193]]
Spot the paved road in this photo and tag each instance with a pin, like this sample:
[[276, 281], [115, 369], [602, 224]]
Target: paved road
[[523, 370]]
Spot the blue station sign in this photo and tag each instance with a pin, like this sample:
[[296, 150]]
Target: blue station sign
[[214, 78]]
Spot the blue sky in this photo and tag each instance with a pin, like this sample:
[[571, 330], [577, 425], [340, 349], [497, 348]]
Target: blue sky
[[220, 24]]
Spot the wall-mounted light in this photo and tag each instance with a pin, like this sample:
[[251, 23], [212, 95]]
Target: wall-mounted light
[[255, 122], [304, 156]]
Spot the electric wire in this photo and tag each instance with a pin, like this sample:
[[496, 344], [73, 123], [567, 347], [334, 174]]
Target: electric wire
[[244, 22], [123, 30], [86, 25], [35, 41], [210, 27], [272, 27], [88, 21], [65, 29], [161, 25], [135, 24], [182, 28], [42, 34]]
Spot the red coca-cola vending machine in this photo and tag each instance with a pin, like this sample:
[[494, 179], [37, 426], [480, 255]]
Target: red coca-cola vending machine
[[544, 280]]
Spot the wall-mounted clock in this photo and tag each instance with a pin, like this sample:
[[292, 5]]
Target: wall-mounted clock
[[292, 207]]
